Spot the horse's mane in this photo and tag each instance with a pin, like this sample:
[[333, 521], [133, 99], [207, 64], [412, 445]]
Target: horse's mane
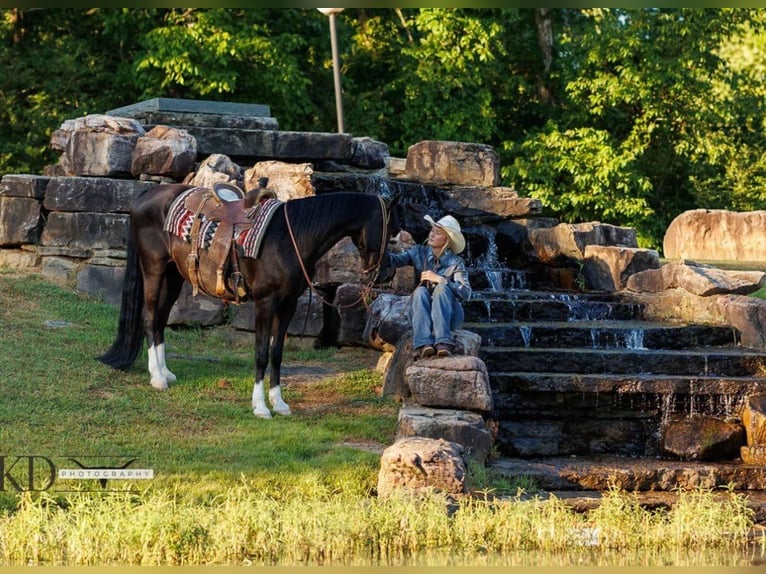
[[309, 214]]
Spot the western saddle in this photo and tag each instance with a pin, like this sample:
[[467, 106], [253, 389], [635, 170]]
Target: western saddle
[[230, 209]]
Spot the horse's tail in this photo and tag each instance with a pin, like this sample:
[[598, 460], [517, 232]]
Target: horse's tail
[[130, 330]]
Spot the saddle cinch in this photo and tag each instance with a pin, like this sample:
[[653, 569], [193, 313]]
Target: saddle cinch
[[222, 208]]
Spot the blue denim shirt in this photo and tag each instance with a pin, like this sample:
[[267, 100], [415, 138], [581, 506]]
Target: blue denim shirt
[[449, 265]]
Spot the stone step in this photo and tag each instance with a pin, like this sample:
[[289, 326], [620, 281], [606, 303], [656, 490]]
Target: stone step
[[602, 334], [625, 384], [724, 362], [601, 473], [497, 281], [536, 309]]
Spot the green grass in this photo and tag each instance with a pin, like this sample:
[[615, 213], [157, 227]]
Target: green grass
[[57, 399], [230, 488]]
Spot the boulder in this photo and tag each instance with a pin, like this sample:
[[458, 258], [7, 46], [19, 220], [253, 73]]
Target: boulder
[[701, 437], [608, 268], [754, 419], [569, 240], [416, 465], [465, 428], [716, 235], [288, 180], [216, 168], [698, 279], [20, 221], [164, 151], [455, 163], [458, 381], [466, 343], [97, 145]]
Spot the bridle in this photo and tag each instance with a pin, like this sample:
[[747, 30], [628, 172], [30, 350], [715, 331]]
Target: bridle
[[364, 293]]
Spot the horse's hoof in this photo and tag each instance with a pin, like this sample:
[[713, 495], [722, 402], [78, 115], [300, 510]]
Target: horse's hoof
[[170, 377], [284, 411], [160, 384], [265, 414]]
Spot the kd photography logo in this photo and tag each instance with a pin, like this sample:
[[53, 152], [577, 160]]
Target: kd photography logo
[[81, 473]]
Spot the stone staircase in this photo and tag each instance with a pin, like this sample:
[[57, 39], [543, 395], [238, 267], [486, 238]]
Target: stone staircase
[[584, 389]]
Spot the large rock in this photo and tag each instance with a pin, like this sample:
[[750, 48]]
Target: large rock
[[698, 279], [216, 168], [97, 145], [307, 321], [455, 163], [388, 320], [717, 235], [754, 419], [608, 268], [24, 185], [395, 385], [20, 221], [416, 465], [202, 310], [351, 303], [288, 180], [164, 151], [569, 240], [85, 231], [701, 437], [460, 382], [465, 428], [92, 194], [501, 201], [341, 264]]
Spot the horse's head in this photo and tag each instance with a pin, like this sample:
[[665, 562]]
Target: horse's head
[[380, 225]]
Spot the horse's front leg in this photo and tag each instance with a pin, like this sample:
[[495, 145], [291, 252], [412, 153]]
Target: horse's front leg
[[284, 315], [263, 320], [275, 391]]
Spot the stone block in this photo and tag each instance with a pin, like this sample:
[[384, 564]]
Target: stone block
[[608, 268], [716, 235], [86, 231], [462, 427], [754, 419], [102, 282], [164, 151], [23, 185], [19, 258], [453, 163], [20, 221], [701, 437], [416, 465], [460, 382], [92, 194], [288, 180]]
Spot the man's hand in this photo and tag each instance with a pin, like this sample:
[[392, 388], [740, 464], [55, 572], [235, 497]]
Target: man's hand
[[432, 277]]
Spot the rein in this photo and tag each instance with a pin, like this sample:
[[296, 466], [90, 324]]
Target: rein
[[367, 288]]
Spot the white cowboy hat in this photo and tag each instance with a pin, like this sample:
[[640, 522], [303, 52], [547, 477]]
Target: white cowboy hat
[[452, 228]]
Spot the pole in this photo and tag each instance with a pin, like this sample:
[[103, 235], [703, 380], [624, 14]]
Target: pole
[[336, 73]]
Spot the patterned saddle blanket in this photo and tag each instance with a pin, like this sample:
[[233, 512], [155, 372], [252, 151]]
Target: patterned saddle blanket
[[222, 230], [248, 235]]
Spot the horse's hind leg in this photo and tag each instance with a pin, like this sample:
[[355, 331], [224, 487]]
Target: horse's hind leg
[[170, 289], [161, 289]]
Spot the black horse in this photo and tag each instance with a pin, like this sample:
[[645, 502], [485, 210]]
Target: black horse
[[299, 233]]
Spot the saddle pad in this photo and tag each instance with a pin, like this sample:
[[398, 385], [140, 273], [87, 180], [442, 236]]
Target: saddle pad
[[179, 222], [251, 237]]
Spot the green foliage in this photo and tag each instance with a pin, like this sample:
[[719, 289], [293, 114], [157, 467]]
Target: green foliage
[[628, 116]]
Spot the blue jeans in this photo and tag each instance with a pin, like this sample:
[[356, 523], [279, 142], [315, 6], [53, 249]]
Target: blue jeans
[[434, 315]]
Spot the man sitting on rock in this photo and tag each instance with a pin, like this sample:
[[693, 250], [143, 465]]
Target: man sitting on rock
[[436, 304]]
